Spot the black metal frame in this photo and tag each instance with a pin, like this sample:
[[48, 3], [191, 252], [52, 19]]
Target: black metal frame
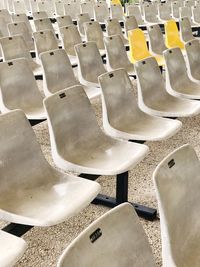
[[121, 196]]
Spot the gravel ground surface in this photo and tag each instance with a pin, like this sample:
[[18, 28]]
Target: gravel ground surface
[[46, 244]]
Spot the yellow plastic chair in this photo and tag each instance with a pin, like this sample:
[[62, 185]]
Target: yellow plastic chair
[[116, 2], [172, 38], [138, 47]]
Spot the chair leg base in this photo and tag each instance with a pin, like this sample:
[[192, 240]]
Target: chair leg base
[[111, 202]]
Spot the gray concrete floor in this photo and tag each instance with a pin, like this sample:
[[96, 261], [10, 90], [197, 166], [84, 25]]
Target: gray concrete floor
[[46, 244]]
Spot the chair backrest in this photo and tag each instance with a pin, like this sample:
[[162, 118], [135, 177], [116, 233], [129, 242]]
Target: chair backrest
[[135, 11], [14, 47], [64, 21], [87, 7], [117, 12], [116, 56], [19, 7], [196, 14], [185, 29], [70, 37], [3, 27], [94, 33], [156, 40], [40, 15], [90, 63], [46, 6], [138, 45], [59, 8], [72, 10], [151, 84], [24, 18], [81, 19], [58, 72], [186, 12], [6, 15], [175, 9], [164, 11], [101, 12], [130, 23], [172, 38], [118, 100], [192, 49], [113, 28], [44, 41], [71, 107], [43, 24], [189, 3], [20, 28], [34, 6], [102, 235], [150, 13], [176, 180], [20, 91]]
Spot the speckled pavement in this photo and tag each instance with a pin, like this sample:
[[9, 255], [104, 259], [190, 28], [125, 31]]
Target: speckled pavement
[[46, 244]]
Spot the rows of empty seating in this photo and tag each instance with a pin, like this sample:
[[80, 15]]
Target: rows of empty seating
[[81, 50]]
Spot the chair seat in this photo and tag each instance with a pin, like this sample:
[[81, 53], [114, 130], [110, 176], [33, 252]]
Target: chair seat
[[50, 203], [12, 248]]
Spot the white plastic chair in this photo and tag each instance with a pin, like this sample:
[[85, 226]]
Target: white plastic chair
[[46, 6], [43, 24], [81, 19], [64, 21], [135, 11], [196, 14], [150, 14], [192, 58], [186, 12], [116, 55], [153, 97], [164, 11], [22, 17], [122, 117], [88, 7], [72, 10], [59, 8], [19, 7], [113, 28], [101, 13], [90, 64], [35, 193], [21, 91], [6, 15], [83, 147], [33, 6], [116, 12], [3, 27], [156, 40], [185, 30], [177, 184], [122, 243], [175, 10], [12, 248], [130, 23], [44, 41], [178, 82], [40, 15]]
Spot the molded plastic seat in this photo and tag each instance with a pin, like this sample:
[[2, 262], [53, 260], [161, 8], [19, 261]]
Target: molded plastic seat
[[72, 10], [19, 7], [81, 19], [6, 15], [58, 72], [135, 11], [192, 49], [156, 41], [150, 14], [113, 28], [64, 21], [116, 12], [34, 6], [130, 23], [70, 37], [22, 17], [15, 47], [153, 97], [177, 185], [35, 193], [178, 82], [40, 15], [20, 28], [44, 41], [172, 38], [90, 64], [20, 91], [46, 6], [83, 147], [101, 13], [107, 234], [116, 55], [196, 14], [164, 11], [3, 27], [87, 7], [175, 10], [185, 30], [94, 33], [186, 12], [43, 24], [12, 248], [59, 8], [138, 47], [189, 3], [122, 117]]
